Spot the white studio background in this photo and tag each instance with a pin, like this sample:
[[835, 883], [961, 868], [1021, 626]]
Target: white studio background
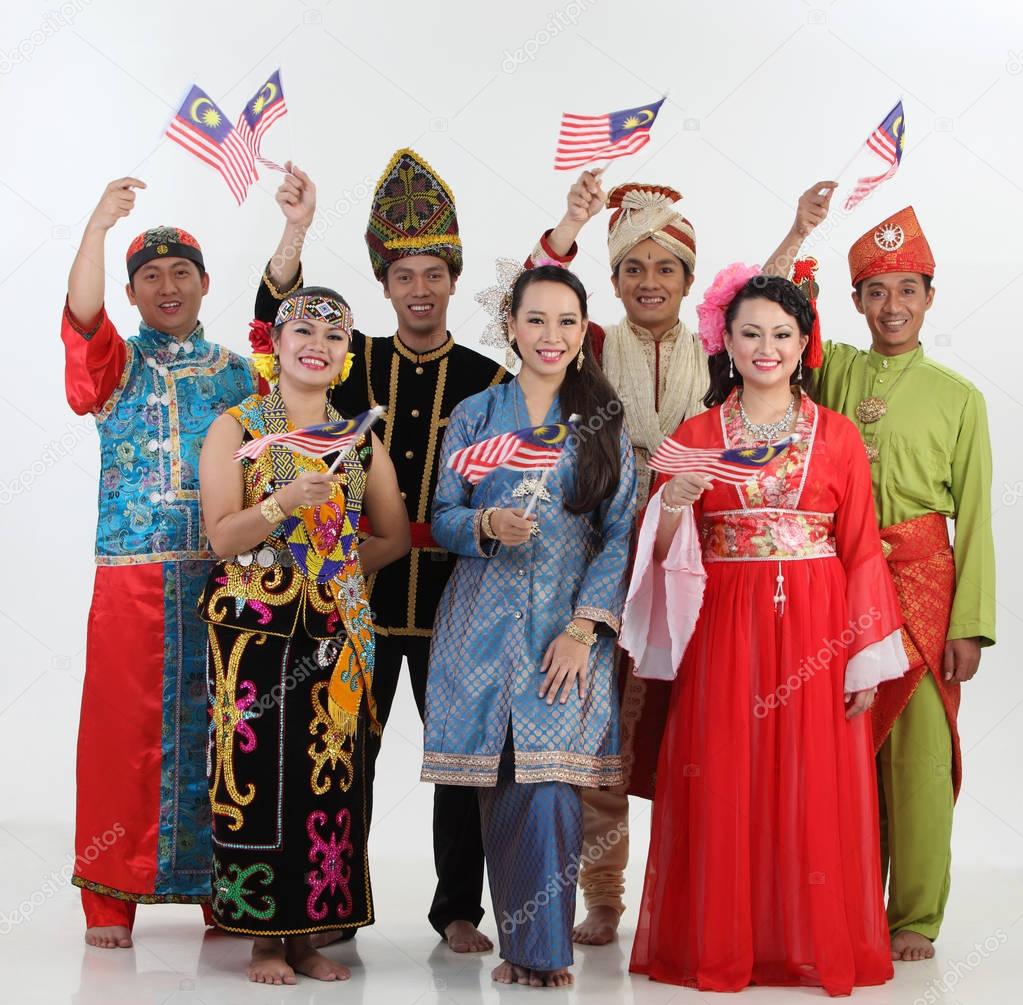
[[764, 99]]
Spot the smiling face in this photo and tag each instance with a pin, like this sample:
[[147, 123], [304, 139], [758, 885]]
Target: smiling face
[[894, 305], [651, 283], [311, 353], [419, 287], [765, 343], [168, 293], [548, 328]]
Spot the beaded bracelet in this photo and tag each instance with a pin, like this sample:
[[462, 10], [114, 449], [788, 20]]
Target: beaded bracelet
[[672, 509]]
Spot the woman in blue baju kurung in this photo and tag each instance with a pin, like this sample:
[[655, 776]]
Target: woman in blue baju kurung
[[520, 697]]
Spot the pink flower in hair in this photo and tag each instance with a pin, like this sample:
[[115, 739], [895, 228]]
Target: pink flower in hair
[[719, 295], [544, 260]]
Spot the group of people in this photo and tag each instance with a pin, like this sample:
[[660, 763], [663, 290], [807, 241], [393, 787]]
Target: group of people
[[776, 663]]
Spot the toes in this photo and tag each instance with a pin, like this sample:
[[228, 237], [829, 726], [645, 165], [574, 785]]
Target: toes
[[504, 974]]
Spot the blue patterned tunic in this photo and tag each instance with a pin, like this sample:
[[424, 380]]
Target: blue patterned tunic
[[503, 607]]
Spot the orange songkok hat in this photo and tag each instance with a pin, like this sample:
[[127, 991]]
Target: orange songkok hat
[[895, 245]]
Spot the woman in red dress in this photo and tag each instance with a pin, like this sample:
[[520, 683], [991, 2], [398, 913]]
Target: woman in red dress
[[764, 865]]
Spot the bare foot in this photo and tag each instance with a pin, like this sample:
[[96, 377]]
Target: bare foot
[[598, 928], [552, 978], [465, 937], [509, 973], [306, 960], [108, 937], [268, 965], [320, 939], [911, 946]]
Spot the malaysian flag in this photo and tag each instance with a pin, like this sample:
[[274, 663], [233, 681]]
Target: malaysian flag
[[526, 449], [261, 111], [587, 138], [885, 142], [313, 441], [204, 130], [732, 467]]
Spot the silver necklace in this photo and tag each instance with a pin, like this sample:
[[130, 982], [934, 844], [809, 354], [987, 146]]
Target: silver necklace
[[768, 431]]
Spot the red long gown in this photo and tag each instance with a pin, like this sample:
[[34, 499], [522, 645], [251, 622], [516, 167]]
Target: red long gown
[[764, 864]]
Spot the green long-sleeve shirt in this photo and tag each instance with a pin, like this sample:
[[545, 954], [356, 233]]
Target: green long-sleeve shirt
[[934, 457]]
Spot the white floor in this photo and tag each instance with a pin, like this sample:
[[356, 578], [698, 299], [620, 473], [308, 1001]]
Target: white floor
[[399, 960]]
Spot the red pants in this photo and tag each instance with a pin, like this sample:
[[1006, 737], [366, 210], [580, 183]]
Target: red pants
[[102, 911]]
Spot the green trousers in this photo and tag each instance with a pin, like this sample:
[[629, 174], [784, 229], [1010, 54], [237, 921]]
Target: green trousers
[[914, 784]]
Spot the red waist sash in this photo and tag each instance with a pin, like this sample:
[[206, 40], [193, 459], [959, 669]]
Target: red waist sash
[[923, 570], [422, 535]]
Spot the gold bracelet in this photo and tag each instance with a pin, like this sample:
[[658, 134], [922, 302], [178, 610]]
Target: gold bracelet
[[271, 510], [573, 631], [488, 530]]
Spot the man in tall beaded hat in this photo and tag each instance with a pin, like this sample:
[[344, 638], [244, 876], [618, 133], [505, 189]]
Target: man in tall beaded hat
[[143, 819], [659, 369], [419, 374], [930, 463]]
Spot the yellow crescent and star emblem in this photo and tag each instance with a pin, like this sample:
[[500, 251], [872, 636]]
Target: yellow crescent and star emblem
[[899, 132], [205, 116], [641, 118], [265, 97], [551, 435]]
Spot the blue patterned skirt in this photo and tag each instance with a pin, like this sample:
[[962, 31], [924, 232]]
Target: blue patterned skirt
[[532, 839]]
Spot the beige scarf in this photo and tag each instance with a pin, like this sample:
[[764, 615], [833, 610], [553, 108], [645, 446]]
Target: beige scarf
[[683, 384]]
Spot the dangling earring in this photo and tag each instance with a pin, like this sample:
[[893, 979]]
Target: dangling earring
[[731, 369], [579, 361], [510, 359], [277, 368], [799, 372], [346, 369]]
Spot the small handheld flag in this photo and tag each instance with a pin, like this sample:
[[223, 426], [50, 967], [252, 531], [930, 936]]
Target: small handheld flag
[[584, 139], [261, 111], [526, 449], [885, 142], [732, 467], [312, 441], [205, 131]]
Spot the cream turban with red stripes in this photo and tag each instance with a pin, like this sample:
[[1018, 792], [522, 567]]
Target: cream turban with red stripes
[[648, 211]]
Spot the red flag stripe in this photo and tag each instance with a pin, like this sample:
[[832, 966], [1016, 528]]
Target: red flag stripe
[[225, 158], [269, 117], [882, 146], [625, 146], [238, 191]]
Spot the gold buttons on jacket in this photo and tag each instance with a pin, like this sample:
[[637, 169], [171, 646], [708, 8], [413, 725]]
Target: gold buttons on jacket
[[409, 455], [415, 413]]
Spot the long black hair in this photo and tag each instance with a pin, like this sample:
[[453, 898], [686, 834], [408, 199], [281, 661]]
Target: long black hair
[[793, 302], [588, 393]]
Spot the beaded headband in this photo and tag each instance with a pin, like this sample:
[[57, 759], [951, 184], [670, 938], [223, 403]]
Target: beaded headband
[[315, 307]]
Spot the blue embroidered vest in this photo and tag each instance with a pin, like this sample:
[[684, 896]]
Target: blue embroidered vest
[[151, 430]]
